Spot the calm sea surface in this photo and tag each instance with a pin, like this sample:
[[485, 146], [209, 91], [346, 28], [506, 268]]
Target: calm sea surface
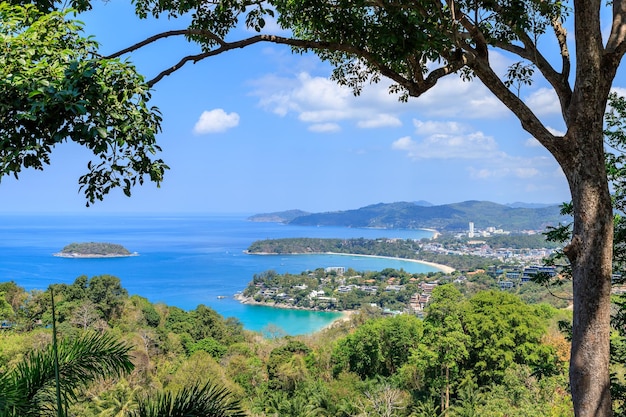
[[184, 260]]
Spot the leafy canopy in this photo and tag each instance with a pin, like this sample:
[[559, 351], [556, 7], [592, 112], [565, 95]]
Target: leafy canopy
[[54, 88]]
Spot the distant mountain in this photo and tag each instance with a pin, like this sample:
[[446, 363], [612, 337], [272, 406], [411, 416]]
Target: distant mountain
[[519, 204], [423, 203], [278, 217], [446, 217]]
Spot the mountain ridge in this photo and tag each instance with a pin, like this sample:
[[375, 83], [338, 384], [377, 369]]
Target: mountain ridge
[[445, 217]]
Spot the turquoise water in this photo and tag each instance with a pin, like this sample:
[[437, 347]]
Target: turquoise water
[[184, 260]]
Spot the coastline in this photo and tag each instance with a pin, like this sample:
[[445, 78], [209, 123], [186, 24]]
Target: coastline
[[91, 256], [346, 315], [443, 268], [435, 235]]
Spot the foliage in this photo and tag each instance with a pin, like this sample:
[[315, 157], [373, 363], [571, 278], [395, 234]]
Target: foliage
[[28, 388], [446, 217], [397, 248], [193, 401], [371, 364], [95, 248], [378, 347], [55, 88]]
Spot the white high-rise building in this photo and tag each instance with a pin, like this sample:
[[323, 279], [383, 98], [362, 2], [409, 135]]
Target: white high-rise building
[[471, 229]]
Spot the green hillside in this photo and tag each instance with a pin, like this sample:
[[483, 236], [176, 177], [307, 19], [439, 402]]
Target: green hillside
[[447, 217]]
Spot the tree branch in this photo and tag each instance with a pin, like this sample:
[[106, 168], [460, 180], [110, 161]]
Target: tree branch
[[529, 120], [558, 81], [616, 44], [561, 37], [160, 36], [414, 88]]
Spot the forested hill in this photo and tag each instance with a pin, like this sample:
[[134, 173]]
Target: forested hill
[[447, 217]]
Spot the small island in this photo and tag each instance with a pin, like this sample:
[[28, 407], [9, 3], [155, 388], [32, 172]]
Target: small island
[[94, 250]]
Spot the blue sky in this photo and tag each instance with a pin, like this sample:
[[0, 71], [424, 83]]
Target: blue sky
[[262, 129]]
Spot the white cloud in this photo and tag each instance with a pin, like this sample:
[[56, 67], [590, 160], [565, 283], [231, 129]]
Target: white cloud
[[478, 152], [314, 100], [446, 140], [544, 101], [215, 121], [512, 169], [320, 101], [532, 143], [619, 90], [454, 98], [438, 127], [325, 127], [380, 120]]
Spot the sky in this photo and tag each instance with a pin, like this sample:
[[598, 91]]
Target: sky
[[261, 129]]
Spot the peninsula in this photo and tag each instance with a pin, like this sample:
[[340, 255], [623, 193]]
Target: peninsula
[[94, 250]]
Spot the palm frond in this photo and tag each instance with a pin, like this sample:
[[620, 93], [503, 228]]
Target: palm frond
[[81, 361], [194, 401]]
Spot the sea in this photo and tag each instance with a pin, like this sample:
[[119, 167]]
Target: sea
[[183, 260]]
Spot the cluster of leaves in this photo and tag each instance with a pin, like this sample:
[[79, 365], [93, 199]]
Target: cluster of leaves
[[55, 88]]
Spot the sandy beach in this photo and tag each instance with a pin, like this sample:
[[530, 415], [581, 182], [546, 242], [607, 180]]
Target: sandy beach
[[443, 268]]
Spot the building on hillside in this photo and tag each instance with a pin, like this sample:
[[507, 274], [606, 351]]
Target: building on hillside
[[340, 270]]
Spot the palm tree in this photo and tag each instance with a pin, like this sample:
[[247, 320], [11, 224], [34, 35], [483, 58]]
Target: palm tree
[[197, 400], [29, 389]]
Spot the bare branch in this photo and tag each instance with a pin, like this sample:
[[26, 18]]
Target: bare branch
[[160, 36], [415, 88], [561, 37], [616, 44]]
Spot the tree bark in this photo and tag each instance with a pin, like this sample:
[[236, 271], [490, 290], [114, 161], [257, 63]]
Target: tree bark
[[590, 253]]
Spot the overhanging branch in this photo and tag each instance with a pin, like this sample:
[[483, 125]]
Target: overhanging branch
[[414, 88]]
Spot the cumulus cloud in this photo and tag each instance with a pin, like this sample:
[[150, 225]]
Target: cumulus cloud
[[322, 103], [446, 140], [318, 100], [215, 121], [480, 153], [543, 102], [454, 98]]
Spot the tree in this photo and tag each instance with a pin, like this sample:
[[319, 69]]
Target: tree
[[196, 400], [28, 389], [55, 88], [379, 347], [418, 43], [615, 158], [444, 337]]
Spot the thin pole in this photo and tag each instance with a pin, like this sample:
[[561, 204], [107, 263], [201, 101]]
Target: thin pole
[[56, 357]]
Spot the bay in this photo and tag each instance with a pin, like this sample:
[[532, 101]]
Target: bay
[[184, 260]]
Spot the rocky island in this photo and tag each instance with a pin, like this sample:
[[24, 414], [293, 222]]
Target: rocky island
[[94, 250]]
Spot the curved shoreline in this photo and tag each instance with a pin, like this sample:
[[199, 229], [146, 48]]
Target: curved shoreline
[[443, 268], [345, 315]]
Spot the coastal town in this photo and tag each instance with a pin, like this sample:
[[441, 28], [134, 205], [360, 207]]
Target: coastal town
[[337, 288]]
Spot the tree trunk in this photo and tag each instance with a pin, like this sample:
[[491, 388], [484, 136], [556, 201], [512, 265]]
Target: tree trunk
[[590, 253]]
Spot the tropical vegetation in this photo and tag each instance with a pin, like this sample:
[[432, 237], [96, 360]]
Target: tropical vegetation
[[467, 355]]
